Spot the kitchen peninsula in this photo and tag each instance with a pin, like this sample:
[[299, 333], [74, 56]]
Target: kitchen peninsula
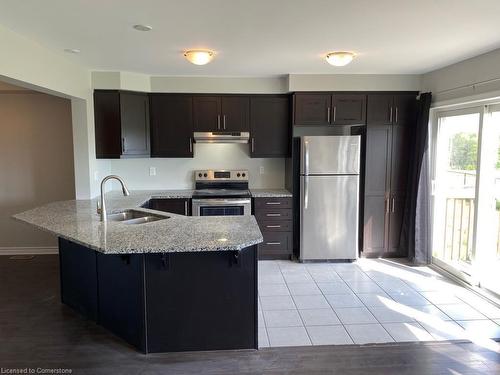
[[178, 283]]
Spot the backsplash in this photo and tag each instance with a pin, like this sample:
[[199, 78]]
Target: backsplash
[[178, 173]]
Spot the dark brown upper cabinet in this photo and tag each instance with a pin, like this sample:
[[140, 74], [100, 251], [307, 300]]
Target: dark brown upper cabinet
[[107, 124], [221, 113], [269, 126], [348, 109], [171, 125], [320, 109], [389, 109], [121, 124], [312, 109]]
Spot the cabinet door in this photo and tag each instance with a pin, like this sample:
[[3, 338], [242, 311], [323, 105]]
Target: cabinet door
[[107, 124], [134, 110], [377, 179], [178, 206], [121, 296], [269, 126], [399, 182], [234, 112], [312, 109], [349, 109], [207, 113], [397, 205], [171, 126], [201, 301], [405, 109], [379, 109]]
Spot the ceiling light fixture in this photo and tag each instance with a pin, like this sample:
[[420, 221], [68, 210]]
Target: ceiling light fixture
[[340, 58], [140, 27], [199, 56], [71, 50]]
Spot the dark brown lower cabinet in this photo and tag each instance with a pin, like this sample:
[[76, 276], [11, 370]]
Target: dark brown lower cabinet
[[183, 301], [274, 216], [180, 206]]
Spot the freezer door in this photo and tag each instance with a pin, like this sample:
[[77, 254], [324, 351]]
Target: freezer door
[[330, 154], [329, 217]]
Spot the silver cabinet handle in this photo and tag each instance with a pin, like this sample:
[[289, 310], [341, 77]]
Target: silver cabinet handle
[[190, 144], [273, 243], [393, 205], [273, 203], [334, 113], [224, 121], [253, 144], [185, 207], [390, 116], [273, 226], [328, 114], [273, 215], [396, 115], [386, 204], [218, 122], [123, 144]]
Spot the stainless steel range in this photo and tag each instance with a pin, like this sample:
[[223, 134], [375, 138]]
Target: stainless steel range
[[221, 193]]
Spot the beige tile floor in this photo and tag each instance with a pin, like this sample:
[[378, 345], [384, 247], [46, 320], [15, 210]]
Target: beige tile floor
[[369, 301]]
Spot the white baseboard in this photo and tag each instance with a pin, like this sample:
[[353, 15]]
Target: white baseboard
[[28, 250]]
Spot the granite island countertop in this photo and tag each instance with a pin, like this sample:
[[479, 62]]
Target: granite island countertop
[[77, 221]]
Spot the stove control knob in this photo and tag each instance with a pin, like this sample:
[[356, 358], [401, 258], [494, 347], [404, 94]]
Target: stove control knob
[[238, 175], [205, 175], [243, 175], [199, 175]]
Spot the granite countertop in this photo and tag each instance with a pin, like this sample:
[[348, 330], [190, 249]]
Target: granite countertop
[[270, 193], [77, 221]]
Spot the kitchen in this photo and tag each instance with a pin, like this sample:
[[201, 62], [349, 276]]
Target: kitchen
[[228, 211]]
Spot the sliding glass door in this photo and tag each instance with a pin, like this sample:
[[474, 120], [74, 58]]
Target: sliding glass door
[[466, 194], [487, 260]]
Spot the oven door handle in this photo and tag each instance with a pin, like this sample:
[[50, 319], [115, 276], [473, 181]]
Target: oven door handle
[[213, 202]]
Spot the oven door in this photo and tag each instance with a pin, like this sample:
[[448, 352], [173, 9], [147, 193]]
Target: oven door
[[221, 207]]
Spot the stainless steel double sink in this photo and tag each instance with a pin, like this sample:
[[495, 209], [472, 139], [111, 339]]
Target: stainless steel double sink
[[135, 217]]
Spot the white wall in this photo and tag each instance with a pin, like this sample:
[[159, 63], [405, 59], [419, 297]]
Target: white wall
[[452, 82], [223, 85], [354, 82], [178, 173]]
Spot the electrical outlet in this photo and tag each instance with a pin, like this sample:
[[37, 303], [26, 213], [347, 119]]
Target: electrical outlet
[[96, 175], [262, 171], [152, 171]]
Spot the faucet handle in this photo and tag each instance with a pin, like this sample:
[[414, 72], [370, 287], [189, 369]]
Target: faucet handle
[[99, 209]]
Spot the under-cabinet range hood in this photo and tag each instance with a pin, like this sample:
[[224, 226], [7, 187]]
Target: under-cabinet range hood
[[221, 137]]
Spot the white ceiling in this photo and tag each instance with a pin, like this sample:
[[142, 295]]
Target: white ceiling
[[260, 37]]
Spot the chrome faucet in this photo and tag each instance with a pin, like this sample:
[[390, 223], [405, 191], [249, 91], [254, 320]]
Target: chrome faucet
[[102, 209]]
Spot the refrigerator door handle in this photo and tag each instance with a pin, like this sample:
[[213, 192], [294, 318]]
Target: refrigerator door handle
[[306, 192], [306, 157]]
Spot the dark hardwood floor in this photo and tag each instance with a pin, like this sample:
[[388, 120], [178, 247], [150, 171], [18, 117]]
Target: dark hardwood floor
[[37, 331]]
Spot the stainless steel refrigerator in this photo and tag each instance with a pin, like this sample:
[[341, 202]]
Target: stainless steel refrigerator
[[329, 197]]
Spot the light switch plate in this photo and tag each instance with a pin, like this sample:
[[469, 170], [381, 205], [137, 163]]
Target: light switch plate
[[152, 171]]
